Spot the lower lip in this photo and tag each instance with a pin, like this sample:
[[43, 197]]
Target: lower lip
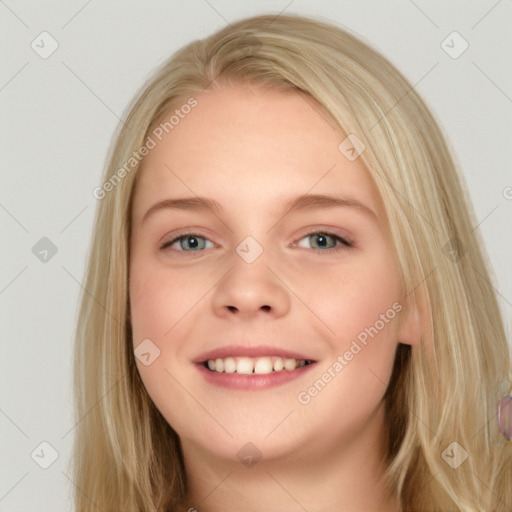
[[252, 382]]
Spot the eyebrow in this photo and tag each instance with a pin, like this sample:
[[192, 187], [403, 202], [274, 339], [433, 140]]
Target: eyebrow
[[303, 202]]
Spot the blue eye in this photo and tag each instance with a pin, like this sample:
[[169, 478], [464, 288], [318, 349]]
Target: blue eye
[[322, 242], [326, 242], [188, 241]]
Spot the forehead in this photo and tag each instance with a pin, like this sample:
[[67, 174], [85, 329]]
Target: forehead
[[247, 146]]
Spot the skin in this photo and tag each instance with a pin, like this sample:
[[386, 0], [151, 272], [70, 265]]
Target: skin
[[250, 148]]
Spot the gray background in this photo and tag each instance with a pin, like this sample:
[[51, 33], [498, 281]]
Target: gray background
[[57, 118]]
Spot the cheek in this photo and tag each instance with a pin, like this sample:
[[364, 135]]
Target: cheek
[[156, 311], [353, 297], [362, 310], [361, 306], [159, 299]]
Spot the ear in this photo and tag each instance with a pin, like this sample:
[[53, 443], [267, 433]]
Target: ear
[[409, 332]]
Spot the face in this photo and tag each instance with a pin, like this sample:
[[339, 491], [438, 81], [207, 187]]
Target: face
[[257, 279]]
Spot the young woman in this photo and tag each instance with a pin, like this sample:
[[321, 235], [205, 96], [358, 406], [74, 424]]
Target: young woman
[[287, 305]]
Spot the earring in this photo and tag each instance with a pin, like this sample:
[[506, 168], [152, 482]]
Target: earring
[[504, 417]]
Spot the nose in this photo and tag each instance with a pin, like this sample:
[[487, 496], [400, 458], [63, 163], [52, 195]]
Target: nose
[[250, 290]]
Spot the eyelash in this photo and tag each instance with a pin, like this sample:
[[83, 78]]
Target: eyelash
[[345, 244]]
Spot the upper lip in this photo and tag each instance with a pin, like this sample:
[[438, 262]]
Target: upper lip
[[245, 351]]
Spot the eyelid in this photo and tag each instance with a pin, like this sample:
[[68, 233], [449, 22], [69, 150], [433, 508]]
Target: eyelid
[[181, 234], [331, 231], [345, 241]]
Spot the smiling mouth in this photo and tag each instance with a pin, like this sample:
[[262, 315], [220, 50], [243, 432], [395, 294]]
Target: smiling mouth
[[255, 365]]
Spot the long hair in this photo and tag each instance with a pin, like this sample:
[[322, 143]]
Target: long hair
[[443, 390]]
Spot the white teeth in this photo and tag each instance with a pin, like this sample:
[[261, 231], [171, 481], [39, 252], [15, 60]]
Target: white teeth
[[257, 365], [229, 365], [244, 365], [263, 365], [278, 364], [290, 364]]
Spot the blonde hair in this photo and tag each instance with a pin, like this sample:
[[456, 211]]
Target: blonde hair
[[444, 390]]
